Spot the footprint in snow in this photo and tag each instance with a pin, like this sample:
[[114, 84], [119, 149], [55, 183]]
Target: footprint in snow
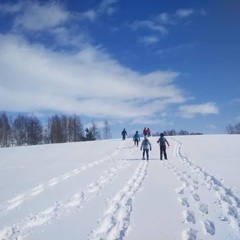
[[190, 234], [189, 216], [209, 226], [184, 201], [203, 208], [52, 182], [196, 197], [37, 190]]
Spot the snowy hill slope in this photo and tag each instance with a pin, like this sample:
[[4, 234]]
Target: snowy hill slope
[[103, 190]]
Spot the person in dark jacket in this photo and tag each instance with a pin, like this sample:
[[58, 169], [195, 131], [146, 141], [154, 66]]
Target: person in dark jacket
[[162, 141], [124, 134]]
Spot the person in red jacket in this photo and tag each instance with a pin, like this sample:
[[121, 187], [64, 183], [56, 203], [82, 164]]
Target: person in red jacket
[[145, 132]]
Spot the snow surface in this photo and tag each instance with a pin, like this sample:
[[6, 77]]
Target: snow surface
[[104, 190]]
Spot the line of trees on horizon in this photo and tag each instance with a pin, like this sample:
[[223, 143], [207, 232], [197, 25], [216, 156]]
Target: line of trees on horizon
[[28, 130], [174, 132], [233, 129]]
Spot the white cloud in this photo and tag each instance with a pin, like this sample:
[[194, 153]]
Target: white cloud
[[212, 126], [36, 79], [235, 101], [189, 111], [10, 8], [37, 17], [149, 40], [149, 25], [183, 13], [165, 18], [105, 7], [160, 22]]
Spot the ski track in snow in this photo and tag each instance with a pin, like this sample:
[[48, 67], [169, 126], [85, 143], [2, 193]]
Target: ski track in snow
[[26, 226], [20, 198], [227, 202], [116, 218]]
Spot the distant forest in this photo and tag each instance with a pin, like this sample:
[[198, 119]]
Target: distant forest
[[28, 130]]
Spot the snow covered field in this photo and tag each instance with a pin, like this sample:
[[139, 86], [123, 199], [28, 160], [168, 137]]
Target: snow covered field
[[103, 190]]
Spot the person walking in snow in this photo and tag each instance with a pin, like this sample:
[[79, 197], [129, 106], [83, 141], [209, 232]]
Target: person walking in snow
[[162, 141], [136, 138], [124, 134], [145, 132], [148, 132], [146, 146]]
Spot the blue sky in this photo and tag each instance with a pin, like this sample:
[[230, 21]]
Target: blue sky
[[160, 64]]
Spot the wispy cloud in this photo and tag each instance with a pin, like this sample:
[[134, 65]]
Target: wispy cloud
[[151, 25], [189, 111], [183, 13], [35, 16], [148, 40], [160, 23], [174, 49], [235, 101], [106, 7]]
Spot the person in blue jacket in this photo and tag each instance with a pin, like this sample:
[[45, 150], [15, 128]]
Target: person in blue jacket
[[162, 143], [136, 138]]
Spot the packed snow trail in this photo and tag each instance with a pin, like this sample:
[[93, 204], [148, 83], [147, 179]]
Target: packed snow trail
[[116, 218]]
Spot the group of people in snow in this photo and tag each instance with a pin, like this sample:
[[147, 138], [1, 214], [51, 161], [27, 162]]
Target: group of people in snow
[[146, 145], [146, 132]]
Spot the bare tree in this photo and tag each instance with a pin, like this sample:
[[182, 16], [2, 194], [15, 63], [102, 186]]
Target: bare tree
[[233, 129], [64, 128], [106, 130], [94, 129], [20, 130], [230, 129], [5, 130], [34, 131], [75, 129], [56, 131]]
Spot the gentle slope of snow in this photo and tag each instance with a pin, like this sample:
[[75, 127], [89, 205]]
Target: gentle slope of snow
[[103, 190]]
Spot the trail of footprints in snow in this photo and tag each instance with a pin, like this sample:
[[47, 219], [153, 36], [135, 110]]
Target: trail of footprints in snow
[[20, 198], [227, 201], [23, 228], [190, 187], [116, 218]]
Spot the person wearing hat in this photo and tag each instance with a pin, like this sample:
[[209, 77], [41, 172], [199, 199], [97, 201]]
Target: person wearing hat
[[146, 146], [162, 142], [136, 138]]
